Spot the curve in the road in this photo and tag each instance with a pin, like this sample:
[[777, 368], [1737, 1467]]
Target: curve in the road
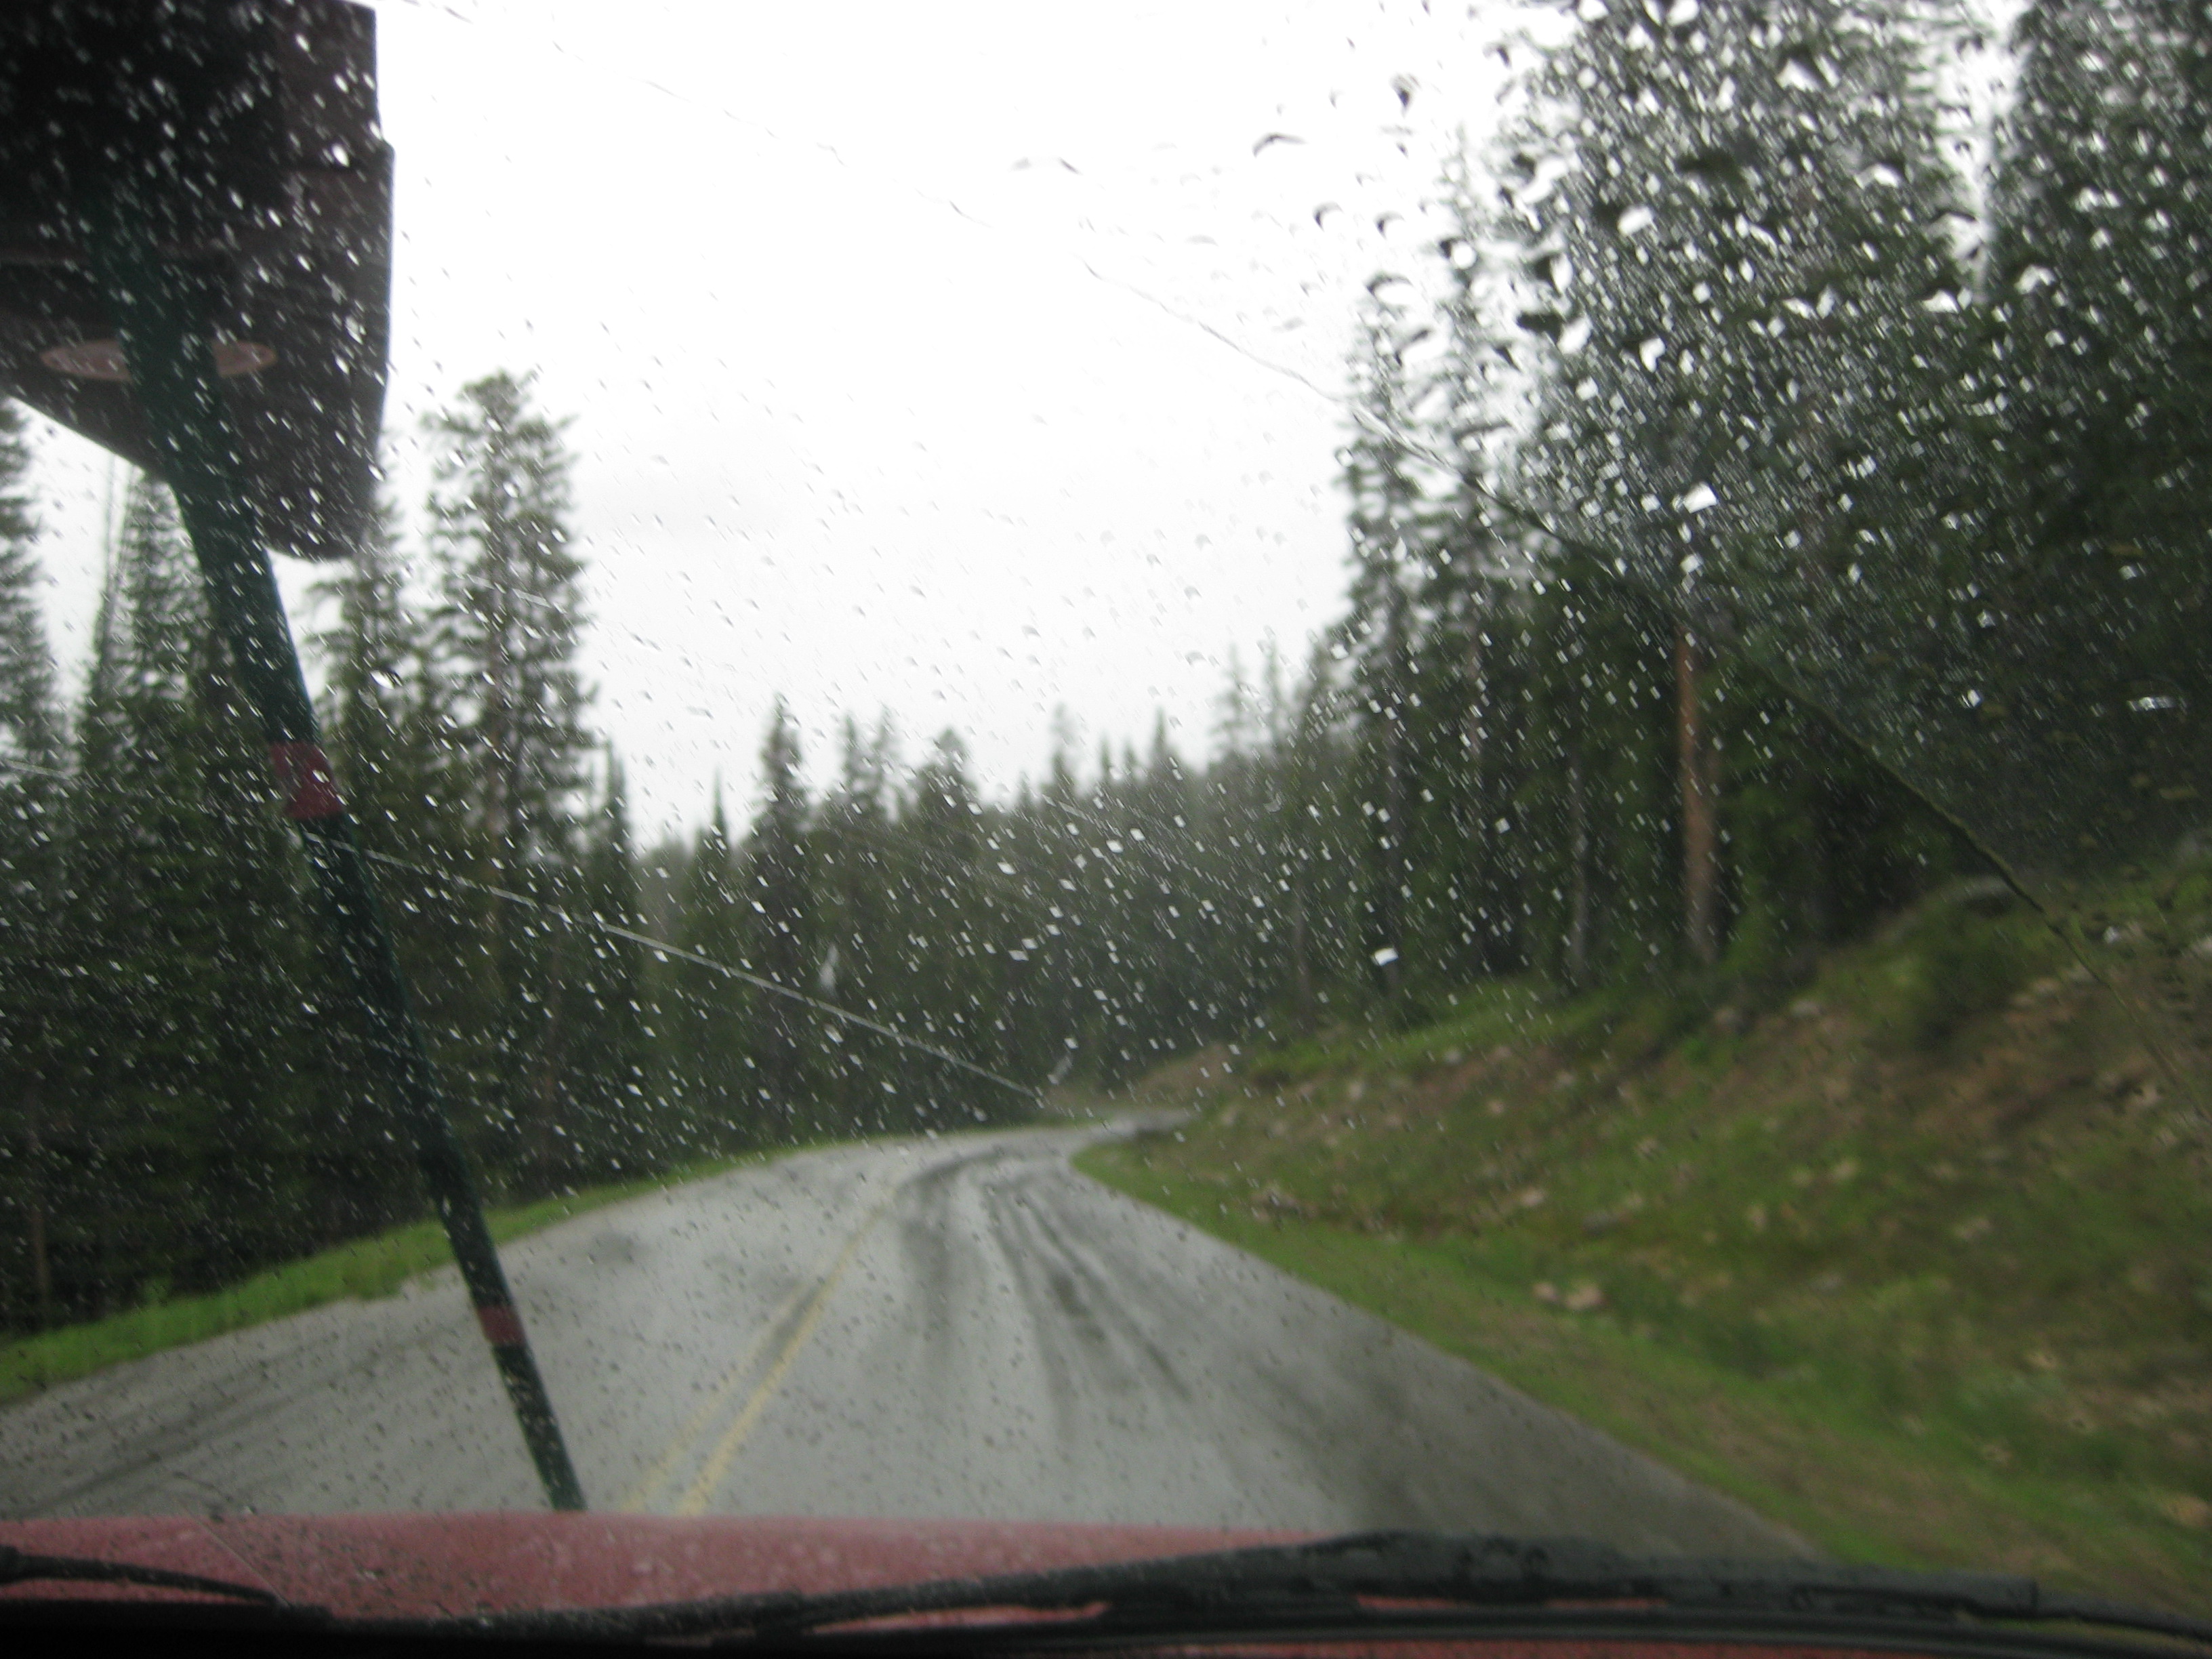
[[956, 1328]]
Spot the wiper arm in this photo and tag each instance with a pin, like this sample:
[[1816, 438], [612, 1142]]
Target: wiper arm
[[1337, 1582], [17, 1567]]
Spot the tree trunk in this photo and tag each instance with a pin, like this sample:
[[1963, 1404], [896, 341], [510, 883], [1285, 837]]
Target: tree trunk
[[1700, 816], [1302, 980], [1472, 801], [1391, 847], [42, 1266], [1579, 896], [1391, 914]]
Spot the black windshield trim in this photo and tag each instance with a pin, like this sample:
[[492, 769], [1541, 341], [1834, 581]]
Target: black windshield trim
[[1497, 1589]]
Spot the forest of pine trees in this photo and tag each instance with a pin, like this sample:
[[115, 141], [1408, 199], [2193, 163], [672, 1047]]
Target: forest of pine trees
[[1752, 521]]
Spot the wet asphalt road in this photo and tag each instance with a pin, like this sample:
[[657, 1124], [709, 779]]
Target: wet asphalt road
[[960, 1328]]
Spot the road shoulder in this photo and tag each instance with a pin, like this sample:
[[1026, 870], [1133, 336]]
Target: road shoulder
[[1855, 1494]]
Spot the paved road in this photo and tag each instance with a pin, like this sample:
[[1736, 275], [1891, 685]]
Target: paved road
[[959, 1327]]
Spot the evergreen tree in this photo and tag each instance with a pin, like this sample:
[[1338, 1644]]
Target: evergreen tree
[[852, 839], [380, 717], [1386, 523], [1470, 661], [192, 1068], [780, 900], [617, 1126], [1319, 837], [948, 987], [510, 618], [2090, 624], [1734, 222], [709, 1020], [506, 634], [385, 707], [32, 751]]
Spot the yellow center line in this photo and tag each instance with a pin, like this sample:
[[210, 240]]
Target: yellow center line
[[717, 1464], [641, 1492], [634, 1501]]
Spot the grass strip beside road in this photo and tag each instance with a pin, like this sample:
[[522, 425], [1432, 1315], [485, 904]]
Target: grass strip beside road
[[364, 1268], [1855, 1489]]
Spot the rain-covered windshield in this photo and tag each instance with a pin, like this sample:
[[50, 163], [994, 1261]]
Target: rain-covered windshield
[[1284, 767]]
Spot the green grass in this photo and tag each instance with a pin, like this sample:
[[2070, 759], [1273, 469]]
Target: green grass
[[366, 1267], [1853, 1488], [1912, 1257], [1504, 1009]]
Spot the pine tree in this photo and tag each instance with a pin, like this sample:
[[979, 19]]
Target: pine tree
[[2089, 617], [1469, 666], [618, 1128], [192, 1068], [380, 708], [381, 723], [946, 985], [709, 1020], [508, 631], [1733, 225], [781, 902], [32, 752], [511, 616], [1378, 635], [1319, 840], [854, 844]]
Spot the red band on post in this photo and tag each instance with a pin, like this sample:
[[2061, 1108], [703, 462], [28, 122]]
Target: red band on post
[[502, 1326], [303, 773]]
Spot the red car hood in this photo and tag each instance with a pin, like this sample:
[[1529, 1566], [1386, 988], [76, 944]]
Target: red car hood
[[419, 1566], [406, 1566]]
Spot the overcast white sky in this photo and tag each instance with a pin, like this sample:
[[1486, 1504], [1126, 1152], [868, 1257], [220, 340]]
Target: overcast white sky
[[898, 340]]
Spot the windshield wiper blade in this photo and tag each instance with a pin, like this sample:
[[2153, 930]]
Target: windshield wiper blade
[[20, 1567], [1336, 1582]]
